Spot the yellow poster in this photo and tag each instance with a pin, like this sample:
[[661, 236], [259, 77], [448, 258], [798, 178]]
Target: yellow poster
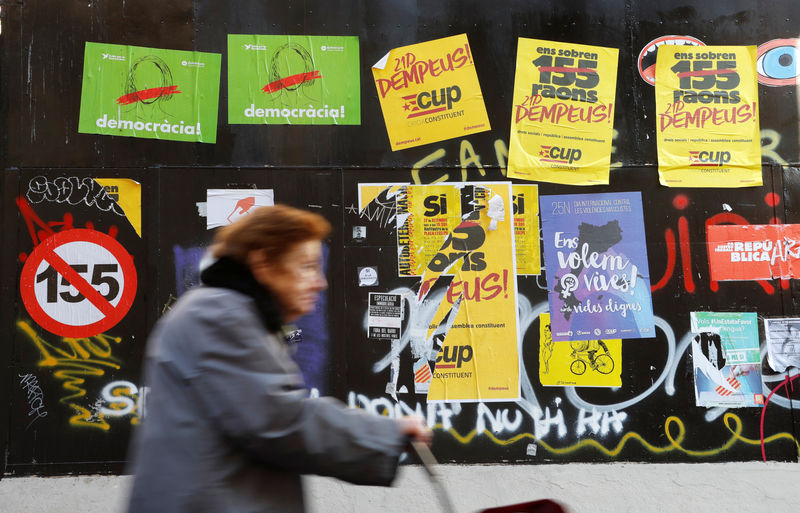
[[128, 195], [582, 363], [426, 214], [369, 192], [526, 228], [707, 116], [563, 114], [429, 92], [479, 355]]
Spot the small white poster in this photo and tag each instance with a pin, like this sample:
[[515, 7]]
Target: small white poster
[[385, 315], [783, 343], [225, 206]]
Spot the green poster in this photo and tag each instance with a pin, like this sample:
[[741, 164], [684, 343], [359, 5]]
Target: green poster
[[293, 80], [150, 92]]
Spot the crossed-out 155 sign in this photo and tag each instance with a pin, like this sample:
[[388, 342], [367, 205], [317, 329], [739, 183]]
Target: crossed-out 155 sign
[[78, 283]]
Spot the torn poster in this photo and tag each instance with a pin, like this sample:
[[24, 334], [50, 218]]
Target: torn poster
[[429, 92], [726, 359], [582, 363], [707, 128], [293, 80], [562, 120], [753, 252], [128, 195], [224, 206], [526, 229], [783, 343], [427, 214], [149, 92], [477, 352], [422, 376], [596, 265]]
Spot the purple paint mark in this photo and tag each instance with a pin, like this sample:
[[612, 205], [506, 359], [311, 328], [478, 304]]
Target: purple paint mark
[[187, 274], [311, 354]]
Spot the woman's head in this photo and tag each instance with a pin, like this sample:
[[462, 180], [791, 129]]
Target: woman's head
[[282, 246]]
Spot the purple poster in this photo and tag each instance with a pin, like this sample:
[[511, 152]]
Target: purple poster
[[595, 254]]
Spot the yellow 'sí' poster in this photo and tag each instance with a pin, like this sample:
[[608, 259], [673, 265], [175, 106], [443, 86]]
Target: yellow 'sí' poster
[[429, 92], [479, 355], [426, 215], [707, 116], [562, 119]]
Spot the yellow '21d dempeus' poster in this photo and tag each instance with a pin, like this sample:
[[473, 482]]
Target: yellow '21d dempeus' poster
[[562, 120], [479, 357], [429, 92], [707, 116]]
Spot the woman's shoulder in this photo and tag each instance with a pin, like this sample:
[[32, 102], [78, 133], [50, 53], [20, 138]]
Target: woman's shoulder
[[212, 305], [217, 299]]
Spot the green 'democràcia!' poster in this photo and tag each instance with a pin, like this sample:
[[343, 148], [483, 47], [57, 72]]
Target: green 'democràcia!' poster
[[293, 80], [150, 92]]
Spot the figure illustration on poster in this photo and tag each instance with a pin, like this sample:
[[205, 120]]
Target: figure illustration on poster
[[293, 77], [578, 363], [151, 93], [143, 94], [584, 355], [293, 80]]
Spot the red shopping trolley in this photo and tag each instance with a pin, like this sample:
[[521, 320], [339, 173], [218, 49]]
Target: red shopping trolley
[[429, 464]]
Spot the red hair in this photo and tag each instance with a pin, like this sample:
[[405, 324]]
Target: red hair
[[275, 230]]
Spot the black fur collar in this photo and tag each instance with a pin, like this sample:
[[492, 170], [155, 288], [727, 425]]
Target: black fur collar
[[230, 274]]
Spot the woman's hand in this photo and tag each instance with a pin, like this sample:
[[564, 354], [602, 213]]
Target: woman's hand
[[415, 428]]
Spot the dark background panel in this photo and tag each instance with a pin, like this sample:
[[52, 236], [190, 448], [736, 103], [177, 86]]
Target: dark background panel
[[183, 239], [69, 375], [380, 27], [732, 22], [651, 417], [44, 92], [43, 60]]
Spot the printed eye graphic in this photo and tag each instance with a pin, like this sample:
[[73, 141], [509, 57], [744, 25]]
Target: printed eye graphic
[[776, 62]]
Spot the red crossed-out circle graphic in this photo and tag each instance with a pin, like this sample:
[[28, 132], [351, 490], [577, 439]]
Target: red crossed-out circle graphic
[[93, 246]]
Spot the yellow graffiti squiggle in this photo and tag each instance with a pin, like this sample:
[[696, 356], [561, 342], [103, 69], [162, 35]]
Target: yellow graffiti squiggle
[[732, 422], [77, 358]]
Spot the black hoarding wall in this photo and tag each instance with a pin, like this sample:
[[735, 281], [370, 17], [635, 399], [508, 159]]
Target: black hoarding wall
[[72, 399]]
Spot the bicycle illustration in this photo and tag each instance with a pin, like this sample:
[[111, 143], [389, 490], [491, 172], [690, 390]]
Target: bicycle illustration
[[588, 349]]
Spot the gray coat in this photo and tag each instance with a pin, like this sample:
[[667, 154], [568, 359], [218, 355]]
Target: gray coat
[[229, 427]]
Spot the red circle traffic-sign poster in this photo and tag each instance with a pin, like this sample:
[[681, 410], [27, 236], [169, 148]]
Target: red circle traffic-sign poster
[[78, 283]]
